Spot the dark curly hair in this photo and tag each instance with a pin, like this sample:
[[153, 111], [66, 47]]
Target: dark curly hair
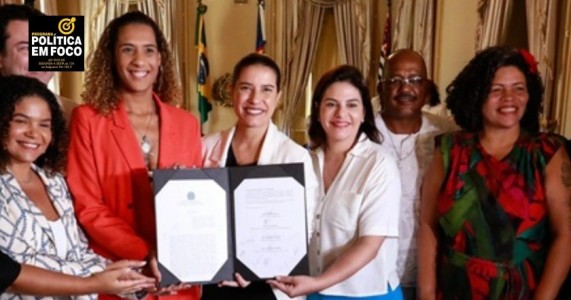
[[353, 76], [256, 59], [433, 94], [14, 12], [469, 90], [102, 80], [14, 90]]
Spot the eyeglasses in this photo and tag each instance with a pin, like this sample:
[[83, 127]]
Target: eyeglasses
[[397, 81]]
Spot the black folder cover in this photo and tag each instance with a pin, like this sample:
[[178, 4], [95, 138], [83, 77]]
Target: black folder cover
[[229, 179]]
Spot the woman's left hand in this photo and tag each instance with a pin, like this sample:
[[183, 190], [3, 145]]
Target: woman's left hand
[[295, 286], [153, 270]]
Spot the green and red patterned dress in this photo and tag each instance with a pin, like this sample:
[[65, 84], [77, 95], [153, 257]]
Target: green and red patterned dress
[[492, 216]]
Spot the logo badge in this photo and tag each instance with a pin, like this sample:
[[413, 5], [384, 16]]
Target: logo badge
[[66, 25], [56, 43]]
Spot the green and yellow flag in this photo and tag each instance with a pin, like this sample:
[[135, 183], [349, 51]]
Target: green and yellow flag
[[203, 79]]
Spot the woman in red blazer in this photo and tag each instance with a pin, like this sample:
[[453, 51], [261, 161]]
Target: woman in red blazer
[[126, 129]]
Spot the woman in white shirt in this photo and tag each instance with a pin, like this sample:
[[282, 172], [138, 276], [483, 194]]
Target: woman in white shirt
[[255, 140], [353, 248]]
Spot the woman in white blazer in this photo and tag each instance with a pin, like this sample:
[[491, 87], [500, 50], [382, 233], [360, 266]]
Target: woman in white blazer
[[255, 140]]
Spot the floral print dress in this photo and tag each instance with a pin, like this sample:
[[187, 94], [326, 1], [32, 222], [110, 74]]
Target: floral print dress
[[492, 217]]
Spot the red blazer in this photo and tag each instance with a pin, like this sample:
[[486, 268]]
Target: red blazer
[[108, 180], [107, 177]]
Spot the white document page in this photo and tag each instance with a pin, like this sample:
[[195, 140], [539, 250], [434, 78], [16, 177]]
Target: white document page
[[270, 225], [192, 228]]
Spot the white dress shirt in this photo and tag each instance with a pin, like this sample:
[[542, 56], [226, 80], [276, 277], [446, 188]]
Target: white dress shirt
[[413, 154], [363, 200]]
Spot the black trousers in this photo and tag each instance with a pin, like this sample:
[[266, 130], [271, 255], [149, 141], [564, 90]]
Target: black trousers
[[257, 290]]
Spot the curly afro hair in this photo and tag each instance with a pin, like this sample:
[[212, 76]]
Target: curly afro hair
[[14, 90], [102, 80], [469, 90]]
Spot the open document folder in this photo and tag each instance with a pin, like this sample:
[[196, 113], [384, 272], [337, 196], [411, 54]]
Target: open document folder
[[212, 223]]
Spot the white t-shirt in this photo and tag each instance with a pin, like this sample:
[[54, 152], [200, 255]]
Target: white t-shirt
[[413, 154], [60, 237], [363, 200]]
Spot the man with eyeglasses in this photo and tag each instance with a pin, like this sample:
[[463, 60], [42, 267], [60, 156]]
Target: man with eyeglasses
[[408, 134]]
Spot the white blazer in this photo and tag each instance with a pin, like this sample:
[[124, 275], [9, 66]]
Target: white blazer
[[277, 148]]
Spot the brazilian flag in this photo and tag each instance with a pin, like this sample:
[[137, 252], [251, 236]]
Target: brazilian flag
[[203, 80]]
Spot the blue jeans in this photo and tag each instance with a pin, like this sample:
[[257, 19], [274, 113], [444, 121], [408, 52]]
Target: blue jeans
[[395, 294]]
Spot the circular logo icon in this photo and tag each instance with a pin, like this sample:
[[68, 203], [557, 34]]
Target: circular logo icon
[[66, 25]]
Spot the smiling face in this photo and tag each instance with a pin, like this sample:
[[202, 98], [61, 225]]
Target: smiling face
[[507, 99], [341, 113], [30, 131], [255, 96], [406, 89], [14, 60], [137, 58]]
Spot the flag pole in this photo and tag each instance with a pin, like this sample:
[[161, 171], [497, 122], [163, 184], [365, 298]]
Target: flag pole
[[261, 28]]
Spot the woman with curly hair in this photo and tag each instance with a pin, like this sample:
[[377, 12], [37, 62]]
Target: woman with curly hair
[[37, 221], [124, 131], [495, 221]]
